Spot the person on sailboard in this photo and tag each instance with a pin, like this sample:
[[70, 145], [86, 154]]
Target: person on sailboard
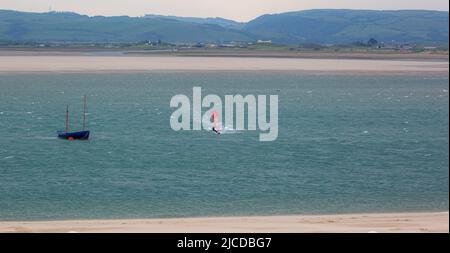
[[215, 130], [214, 120]]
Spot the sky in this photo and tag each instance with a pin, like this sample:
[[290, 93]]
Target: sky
[[239, 10]]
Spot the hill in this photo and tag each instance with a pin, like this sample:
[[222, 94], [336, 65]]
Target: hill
[[311, 26], [72, 27], [344, 26], [211, 21]]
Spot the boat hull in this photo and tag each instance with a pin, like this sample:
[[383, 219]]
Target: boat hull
[[80, 135]]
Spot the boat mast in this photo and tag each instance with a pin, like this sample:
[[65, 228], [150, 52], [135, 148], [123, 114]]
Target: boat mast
[[67, 118], [84, 113]]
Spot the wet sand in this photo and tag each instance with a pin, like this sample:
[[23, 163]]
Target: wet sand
[[233, 52], [346, 223], [127, 63]]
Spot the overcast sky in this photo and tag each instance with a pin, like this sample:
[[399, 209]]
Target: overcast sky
[[240, 10]]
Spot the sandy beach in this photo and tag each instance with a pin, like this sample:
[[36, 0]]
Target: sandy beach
[[127, 63], [347, 223]]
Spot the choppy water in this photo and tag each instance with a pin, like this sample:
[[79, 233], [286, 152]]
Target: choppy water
[[346, 144]]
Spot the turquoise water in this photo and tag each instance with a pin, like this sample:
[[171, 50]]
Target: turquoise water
[[346, 144]]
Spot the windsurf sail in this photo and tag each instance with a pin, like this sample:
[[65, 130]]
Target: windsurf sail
[[215, 120]]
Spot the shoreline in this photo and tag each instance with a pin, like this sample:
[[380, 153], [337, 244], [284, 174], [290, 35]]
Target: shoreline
[[113, 64], [244, 53], [414, 222], [443, 74]]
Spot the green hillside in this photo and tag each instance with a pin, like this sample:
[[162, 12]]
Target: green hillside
[[71, 27], [343, 26], [312, 26]]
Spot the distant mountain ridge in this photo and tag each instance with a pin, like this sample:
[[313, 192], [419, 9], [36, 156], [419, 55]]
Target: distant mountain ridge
[[72, 27], [343, 26], [227, 23], [310, 26]]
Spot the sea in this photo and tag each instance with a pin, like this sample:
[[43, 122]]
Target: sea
[[346, 144]]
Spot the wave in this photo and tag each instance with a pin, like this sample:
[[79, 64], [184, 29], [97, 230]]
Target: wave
[[45, 137]]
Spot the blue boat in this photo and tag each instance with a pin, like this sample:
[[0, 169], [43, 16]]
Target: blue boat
[[80, 135], [77, 135]]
